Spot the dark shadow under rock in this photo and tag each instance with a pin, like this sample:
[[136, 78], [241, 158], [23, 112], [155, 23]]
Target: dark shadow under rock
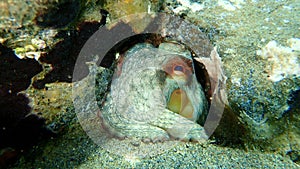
[[18, 128], [63, 56], [58, 14], [15, 73]]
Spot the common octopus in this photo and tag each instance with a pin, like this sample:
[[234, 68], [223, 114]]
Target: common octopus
[[155, 96]]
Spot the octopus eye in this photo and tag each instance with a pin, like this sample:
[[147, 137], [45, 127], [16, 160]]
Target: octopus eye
[[178, 68]]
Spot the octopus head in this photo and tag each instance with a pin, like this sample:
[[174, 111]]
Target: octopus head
[[180, 76], [179, 69]]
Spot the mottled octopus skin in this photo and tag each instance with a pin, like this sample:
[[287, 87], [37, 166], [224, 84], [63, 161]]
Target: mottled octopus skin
[[137, 104]]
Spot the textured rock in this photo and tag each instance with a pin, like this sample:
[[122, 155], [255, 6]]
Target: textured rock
[[283, 61]]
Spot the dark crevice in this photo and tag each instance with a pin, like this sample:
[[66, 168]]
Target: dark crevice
[[58, 15], [64, 55], [19, 129]]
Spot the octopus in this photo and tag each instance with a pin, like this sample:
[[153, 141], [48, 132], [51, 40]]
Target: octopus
[[155, 96]]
